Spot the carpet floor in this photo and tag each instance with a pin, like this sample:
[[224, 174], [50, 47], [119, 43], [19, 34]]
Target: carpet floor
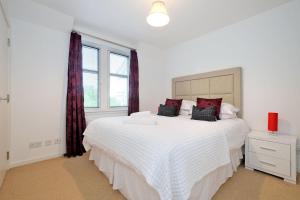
[[79, 179]]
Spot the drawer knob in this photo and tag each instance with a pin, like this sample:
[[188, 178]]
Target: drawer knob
[[268, 149]]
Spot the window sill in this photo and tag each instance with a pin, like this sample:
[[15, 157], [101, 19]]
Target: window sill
[[110, 110]]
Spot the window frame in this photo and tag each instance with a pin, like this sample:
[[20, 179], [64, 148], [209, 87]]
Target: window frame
[[116, 52], [104, 75], [94, 72]]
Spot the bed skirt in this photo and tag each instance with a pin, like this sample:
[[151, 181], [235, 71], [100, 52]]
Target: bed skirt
[[134, 187]]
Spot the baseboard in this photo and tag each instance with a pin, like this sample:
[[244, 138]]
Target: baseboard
[[33, 160]]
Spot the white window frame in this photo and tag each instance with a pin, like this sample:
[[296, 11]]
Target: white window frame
[[122, 76], [93, 72], [104, 74]]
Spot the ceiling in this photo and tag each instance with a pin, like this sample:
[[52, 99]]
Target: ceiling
[[126, 19]]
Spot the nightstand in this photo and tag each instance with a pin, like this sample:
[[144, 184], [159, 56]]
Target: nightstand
[[274, 154]]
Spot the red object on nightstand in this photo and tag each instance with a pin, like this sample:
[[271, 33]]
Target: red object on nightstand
[[272, 122]]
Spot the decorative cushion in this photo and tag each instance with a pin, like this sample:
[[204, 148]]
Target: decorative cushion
[[204, 103], [169, 111], [174, 102], [205, 114]]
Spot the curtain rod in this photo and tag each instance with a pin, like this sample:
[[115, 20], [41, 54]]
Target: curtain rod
[[105, 40]]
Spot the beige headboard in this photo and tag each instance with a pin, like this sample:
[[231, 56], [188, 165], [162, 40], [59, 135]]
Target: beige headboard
[[222, 83]]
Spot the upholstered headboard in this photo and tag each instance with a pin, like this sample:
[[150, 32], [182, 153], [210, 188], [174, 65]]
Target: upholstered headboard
[[222, 83]]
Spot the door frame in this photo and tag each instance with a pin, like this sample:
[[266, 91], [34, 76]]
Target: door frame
[[8, 35]]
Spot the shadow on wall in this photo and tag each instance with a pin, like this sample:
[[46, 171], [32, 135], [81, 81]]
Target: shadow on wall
[[284, 126]]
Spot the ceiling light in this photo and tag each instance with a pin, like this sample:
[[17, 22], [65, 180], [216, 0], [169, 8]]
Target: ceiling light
[[158, 15]]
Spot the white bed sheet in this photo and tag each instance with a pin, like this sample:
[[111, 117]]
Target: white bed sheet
[[171, 154], [237, 129]]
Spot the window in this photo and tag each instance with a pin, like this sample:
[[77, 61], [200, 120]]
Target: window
[[90, 65], [105, 87], [118, 90]]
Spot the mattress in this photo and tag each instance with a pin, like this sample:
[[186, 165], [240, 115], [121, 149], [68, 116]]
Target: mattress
[[172, 155]]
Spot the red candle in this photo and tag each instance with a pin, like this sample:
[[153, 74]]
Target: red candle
[[272, 122]]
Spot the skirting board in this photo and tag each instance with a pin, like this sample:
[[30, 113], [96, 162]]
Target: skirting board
[[33, 160]]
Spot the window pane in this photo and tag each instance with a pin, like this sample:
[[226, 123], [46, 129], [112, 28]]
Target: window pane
[[90, 85], [118, 91], [90, 58], [118, 64]]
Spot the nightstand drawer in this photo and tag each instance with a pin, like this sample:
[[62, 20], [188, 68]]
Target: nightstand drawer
[[273, 149], [267, 163]]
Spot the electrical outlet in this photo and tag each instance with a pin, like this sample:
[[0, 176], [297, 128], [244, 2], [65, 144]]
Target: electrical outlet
[[33, 145], [48, 142], [57, 141]]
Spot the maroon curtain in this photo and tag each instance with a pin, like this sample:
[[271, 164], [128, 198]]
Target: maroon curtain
[[133, 102], [75, 103]]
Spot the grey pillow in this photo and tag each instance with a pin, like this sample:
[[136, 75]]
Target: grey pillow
[[169, 111], [205, 114]]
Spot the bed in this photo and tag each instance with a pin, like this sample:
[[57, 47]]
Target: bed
[[177, 158]]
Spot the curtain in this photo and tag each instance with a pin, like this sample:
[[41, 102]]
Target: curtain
[[75, 117], [133, 101]]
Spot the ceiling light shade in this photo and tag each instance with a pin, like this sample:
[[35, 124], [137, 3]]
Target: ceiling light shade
[[158, 15]]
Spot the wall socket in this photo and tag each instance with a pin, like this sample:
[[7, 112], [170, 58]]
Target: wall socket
[[33, 145], [48, 142], [57, 141]]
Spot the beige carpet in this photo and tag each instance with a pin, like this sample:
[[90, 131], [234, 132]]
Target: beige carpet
[[79, 179]]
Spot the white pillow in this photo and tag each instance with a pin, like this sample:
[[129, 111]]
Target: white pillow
[[227, 116], [227, 108], [187, 107]]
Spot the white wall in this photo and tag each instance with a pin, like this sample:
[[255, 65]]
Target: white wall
[[151, 77], [38, 83], [39, 77], [267, 47], [38, 14]]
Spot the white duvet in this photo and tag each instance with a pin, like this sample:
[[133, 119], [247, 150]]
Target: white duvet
[[172, 155]]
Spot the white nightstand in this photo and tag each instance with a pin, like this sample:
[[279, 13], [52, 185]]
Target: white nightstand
[[274, 154]]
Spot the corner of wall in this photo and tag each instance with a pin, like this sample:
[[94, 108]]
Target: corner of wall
[[36, 13]]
